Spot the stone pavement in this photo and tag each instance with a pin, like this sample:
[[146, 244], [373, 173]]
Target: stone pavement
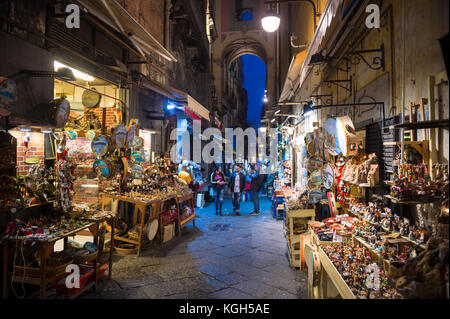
[[240, 257]]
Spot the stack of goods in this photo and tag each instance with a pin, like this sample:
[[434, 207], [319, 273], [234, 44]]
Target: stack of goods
[[186, 212], [363, 277], [321, 230], [419, 232], [362, 171], [389, 245], [44, 227], [38, 186], [169, 215], [299, 203], [334, 228], [413, 182], [159, 182]]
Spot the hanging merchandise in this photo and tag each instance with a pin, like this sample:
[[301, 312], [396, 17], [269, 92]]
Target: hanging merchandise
[[132, 132], [119, 136], [315, 195], [136, 156], [60, 112], [72, 135], [7, 91], [313, 164], [90, 135], [331, 140], [100, 145], [316, 178], [138, 143], [90, 98], [332, 203], [328, 179], [136, 171], [103, 168], [346, 136], [65, 176]]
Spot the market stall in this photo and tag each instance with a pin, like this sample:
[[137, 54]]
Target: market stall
[[361, 245]]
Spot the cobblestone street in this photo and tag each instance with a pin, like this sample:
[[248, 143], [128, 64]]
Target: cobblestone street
[[242, 257]]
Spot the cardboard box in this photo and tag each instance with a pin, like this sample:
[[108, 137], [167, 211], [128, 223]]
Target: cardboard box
[[200, 200], [168, 232]]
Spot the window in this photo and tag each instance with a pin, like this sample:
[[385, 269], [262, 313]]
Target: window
[[246, 15]]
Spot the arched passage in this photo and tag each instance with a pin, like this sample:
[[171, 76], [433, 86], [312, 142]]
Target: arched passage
[[232, 63]]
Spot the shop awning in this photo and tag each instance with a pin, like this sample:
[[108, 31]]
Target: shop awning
[[191, 104], [292, 77], [323, 31], [114, 15], [197, 108]]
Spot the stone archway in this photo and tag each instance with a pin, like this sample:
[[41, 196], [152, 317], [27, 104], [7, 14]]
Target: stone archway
[[243, 46]]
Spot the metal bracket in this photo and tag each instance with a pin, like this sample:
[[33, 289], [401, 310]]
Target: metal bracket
[[378, 62], [327, 101], [338, 83]]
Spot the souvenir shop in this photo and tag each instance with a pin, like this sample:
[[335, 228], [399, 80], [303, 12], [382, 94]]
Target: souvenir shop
[[364, 226], [79, 185]]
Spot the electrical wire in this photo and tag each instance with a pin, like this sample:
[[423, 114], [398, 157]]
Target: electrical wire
[[14, 269]]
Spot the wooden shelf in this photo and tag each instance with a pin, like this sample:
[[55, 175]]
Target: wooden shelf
[[411, 202], [187, 220], [301, 213], [342, 287], [421, 125]]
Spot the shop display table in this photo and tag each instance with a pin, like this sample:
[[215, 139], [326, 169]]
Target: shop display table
[[140, 208], [329, 274], [189, 199], [296, 241], [45, 248]]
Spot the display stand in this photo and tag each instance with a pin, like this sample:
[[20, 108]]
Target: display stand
[[45, 247], [330, 273], [180, 200], [140, 208], [294, 241], [162, 203]]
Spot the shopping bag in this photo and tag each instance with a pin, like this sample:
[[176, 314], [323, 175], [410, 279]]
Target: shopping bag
[[211, 192]]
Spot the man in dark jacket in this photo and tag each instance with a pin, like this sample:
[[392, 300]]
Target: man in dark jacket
[[237, 186], [255, 187]]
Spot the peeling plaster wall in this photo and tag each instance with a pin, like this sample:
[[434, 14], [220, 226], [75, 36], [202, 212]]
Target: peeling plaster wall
[[426, 23]]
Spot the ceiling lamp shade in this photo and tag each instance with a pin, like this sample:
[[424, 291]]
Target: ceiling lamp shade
[[270, 22]]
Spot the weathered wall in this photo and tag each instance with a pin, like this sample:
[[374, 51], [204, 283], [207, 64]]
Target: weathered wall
[[231, 30], [149, 14], [426, 23], [35, 149]]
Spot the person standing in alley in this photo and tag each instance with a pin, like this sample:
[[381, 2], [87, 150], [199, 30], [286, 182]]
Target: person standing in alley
[[218, 182], [248, 182], [257, 181], [237, 186], [184, 175]]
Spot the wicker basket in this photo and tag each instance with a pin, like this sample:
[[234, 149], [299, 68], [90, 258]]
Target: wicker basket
[[125, 249]]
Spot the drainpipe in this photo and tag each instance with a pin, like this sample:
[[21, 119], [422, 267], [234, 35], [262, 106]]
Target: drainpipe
[[167, 7], [403, 78]]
